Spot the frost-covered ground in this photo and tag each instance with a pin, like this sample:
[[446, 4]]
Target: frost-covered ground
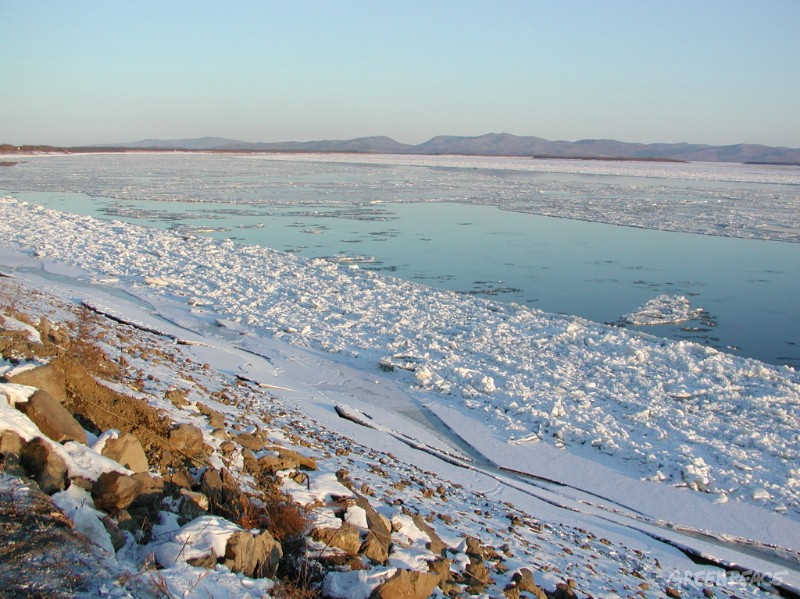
[[588, 410], [678, 413], [750, 201]]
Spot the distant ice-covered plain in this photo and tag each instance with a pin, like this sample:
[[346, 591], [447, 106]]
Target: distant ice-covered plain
[[705, 232]]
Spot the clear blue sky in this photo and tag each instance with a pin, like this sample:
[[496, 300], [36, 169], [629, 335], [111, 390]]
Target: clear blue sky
[[102, 71]]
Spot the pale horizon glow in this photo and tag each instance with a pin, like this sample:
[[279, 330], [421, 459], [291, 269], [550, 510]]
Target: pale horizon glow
[[91, 72]]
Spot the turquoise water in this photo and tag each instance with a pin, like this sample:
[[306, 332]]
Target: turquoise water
[[597, 271]]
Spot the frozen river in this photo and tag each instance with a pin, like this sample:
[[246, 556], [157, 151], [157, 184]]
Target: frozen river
[[487, 227]]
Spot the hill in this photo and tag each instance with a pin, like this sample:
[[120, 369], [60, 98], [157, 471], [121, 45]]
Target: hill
[[495, 144]]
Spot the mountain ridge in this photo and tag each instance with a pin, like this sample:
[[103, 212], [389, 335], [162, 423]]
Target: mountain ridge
[[494, 144]]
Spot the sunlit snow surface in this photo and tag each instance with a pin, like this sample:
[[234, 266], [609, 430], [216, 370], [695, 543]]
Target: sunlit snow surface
[[671, 411], [663, 309]]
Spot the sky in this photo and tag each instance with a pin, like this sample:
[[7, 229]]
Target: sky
[[699, 71]]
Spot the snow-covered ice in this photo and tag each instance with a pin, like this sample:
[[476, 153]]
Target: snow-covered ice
[[650, 406], [579, 422], [663, 309]]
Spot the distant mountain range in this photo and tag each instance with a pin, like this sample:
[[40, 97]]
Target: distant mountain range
[[495, 144]]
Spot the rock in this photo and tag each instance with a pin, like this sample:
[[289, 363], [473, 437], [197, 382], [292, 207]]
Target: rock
[[284, 460], [254, 556], [474, 548], [673, 593], [147, 504], [221, 488], [437, 546], [524, 582], [216, 419], [115, 534], [47, 378], [192, 505], [11, 445], [249, 441], [52, 418], [564, 591], [177, 397], [478, 572], [297, 460], [204, 561], [346, 537], [45, 466], [441, 567], [379, 538], [188, 440], [115, 491], [126, 450], [406, 584], [375, 548]]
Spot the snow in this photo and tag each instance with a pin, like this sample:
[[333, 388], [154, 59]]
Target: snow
[[663, 309], [354, 585], [12, 419], [693, 197], [12, 324], [88, 463], [199, 538], [77, 503], [647, 443], [16, 393], [648, 405]]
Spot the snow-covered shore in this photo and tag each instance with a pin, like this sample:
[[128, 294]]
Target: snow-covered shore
[[528, 392], [673, 412]]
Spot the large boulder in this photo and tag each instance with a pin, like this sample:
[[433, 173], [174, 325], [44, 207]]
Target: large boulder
[[126, 450], [379, 538], [52, 418], [146, 505], [221, 488], [523, 579], [254, 556], [437, 546], [346, 537], [282, 458], [11, 445], [375, 548], [44, 464], [48, 378], [407, 584], [188, 440], [114, 491]]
